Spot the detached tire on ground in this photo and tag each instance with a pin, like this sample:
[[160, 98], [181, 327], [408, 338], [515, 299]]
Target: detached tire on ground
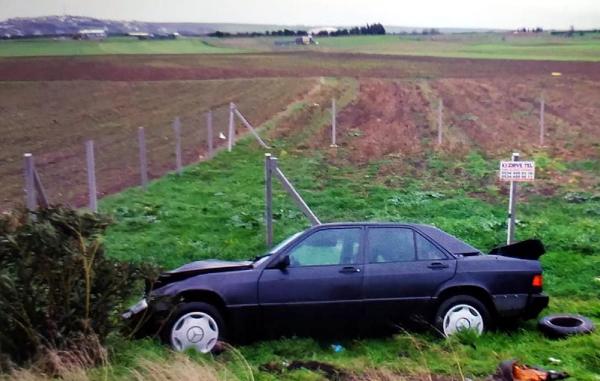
[[563, 325], [194, 325], [462, 312]]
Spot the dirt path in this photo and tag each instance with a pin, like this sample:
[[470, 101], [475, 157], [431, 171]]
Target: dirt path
[[389, 118]]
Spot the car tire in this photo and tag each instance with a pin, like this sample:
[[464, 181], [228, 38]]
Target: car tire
[[462, 312], [563, 325], [194, 325]]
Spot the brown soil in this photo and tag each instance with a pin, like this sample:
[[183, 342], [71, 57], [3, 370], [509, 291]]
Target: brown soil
[[53, 119], [388, 118], [186, 67], [490, 105], [502, 115], [494, 116]]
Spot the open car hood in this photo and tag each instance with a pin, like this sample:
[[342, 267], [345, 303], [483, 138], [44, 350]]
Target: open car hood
[[531, 249]]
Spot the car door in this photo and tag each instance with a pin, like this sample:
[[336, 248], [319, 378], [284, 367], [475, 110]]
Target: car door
[[403, 270], [322, 284]]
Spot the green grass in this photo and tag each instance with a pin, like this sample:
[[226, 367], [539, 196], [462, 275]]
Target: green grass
[[477, 46], [116, 45], [488, 46], [214, 210]]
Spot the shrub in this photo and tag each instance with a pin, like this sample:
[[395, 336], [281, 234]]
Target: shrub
[[57, 287]]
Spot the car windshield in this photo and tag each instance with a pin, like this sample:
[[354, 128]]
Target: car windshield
[[278, 247]]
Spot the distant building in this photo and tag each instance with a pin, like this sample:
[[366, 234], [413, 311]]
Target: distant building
[[140, 35], [90, 34], [153, 36], [305, 40]]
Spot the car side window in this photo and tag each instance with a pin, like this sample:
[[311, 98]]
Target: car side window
[[327, 247], [390, 245], [426, 251]]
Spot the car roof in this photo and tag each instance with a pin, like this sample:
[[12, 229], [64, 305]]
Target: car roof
[[449, 242]]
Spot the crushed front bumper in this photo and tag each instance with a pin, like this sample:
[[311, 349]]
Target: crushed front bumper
[[137, 308]]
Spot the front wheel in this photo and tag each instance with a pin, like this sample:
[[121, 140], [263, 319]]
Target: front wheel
[[460, 313], [195, 325]]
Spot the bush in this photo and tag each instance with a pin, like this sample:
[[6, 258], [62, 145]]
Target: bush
[[57, 287]]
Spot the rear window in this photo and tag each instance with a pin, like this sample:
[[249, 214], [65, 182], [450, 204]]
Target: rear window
[[448, 242], [427, 251]]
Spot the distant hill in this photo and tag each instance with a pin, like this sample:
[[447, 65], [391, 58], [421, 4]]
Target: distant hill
[[68, 25]]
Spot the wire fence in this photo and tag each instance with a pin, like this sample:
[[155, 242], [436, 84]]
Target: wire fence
[[118, 160]]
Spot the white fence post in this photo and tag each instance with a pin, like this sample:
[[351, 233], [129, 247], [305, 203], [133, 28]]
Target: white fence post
[[440, 121], [512, 206], [177, 130], [269, 200], [209, 132], [30, 199], [143, 159], [91, 175], [231, 129], [542, 126], [333, 123]]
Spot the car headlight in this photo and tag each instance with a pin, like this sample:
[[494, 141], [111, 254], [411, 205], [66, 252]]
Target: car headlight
[[135, 309]]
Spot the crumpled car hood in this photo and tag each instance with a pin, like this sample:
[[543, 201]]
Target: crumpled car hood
[[197, 268], [211, 265]]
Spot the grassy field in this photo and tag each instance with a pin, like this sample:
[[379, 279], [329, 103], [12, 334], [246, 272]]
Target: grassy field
[[386, 168], [113, 45], [488, 46], [484, 46], [214, 211]]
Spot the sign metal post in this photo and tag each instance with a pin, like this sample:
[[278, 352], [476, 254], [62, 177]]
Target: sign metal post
[[515, 171]]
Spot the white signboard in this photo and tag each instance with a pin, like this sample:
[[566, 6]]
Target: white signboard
[[517, 170]]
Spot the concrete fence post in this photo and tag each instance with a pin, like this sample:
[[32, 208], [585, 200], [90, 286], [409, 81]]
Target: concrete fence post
[[333, 123], [440, 121], [542, 126], [177, 130], [30, 198], [268, 200], [209, 132], [91, 175], [231, 128], [512, 206], [143, 159]]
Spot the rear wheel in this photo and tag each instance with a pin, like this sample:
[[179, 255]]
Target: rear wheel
[[195, 325], [462, 312]]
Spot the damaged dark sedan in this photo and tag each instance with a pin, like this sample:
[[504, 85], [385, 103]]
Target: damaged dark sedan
[[343, 274]]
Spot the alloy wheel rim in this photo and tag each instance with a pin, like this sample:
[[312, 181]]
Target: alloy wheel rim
[[461, 317], [195, 330]]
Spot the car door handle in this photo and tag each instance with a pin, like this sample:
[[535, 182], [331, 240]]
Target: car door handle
[[349, 270], [437, 265]]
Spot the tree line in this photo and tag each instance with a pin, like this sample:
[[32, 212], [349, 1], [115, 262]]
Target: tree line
[[369, 29]]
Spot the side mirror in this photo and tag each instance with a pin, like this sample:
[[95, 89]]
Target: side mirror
[[283, 263]]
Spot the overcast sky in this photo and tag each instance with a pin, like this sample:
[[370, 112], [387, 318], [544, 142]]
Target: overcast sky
[[421, 13]]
